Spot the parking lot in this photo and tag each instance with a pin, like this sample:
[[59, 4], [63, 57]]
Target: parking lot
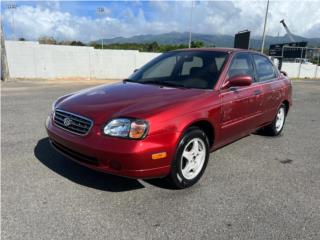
[[256, 188]]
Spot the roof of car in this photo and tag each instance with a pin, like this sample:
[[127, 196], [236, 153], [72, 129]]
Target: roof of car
[[217, 49]]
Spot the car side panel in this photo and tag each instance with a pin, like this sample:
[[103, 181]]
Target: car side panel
[[274, 93], [240, 112]]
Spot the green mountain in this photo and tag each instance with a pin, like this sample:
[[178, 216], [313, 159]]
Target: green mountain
[[209, 40]]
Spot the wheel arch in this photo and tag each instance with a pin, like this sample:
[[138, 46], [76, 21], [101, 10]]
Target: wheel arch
[[286, 103], [205, 126]]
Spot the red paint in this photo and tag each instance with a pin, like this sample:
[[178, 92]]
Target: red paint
[[232, 113]]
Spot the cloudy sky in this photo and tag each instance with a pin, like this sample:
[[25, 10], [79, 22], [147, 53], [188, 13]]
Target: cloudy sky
[[78, 20]]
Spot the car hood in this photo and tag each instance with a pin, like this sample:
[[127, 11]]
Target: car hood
[[126, 100]]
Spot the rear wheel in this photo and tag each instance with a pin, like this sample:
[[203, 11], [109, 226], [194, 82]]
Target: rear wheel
[[191, 159], [276, 127]]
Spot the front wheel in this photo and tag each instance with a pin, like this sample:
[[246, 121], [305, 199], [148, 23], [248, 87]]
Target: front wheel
[[275, 128], [191, 159]]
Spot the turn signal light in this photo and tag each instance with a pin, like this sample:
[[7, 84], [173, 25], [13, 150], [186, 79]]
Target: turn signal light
[[138, 128], [159, 155]]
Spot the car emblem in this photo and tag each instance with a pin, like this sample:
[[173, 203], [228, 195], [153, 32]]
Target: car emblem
[[67, 122]]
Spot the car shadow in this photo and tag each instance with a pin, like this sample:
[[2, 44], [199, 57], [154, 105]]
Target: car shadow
[[161, 183], [263, 133], [80, 174]]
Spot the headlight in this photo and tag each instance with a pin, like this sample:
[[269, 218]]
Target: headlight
[[126, 128]]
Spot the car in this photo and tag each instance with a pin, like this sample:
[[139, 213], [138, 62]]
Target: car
[[169, 115]]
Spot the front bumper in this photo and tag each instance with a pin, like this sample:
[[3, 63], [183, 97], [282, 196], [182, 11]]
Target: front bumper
[[123, 157]]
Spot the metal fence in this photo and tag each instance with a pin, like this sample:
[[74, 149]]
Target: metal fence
[[306, 66]]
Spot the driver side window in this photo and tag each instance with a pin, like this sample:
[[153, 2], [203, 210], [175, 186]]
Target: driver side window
[[265, 70], [241, 65]]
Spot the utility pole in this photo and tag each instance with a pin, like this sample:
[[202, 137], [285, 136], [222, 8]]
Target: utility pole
[[101, 12], [13, 7], [264, 27], [4, 63], [190, 24], [317, 64]]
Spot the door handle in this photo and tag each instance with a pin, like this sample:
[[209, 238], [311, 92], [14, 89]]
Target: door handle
[[257, 92]]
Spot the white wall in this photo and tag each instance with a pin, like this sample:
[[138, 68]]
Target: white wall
[[34, 60], [307, 70]]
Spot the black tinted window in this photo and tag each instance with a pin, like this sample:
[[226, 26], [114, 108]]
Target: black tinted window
[[241, 65], [192, 69], [265, 70]]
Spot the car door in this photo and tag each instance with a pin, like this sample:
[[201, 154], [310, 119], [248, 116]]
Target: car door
[[267, 76], [240, 106]]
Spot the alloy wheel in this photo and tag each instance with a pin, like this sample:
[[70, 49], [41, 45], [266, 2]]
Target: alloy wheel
[[193, 158]]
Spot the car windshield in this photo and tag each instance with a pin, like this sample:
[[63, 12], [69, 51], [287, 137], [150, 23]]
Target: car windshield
[[189, 69]]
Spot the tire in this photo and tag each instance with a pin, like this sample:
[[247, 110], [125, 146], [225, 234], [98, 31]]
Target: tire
[[191, 159], [276, 127]]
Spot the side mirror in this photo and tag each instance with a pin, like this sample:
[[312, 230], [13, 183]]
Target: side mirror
[[284, 73], [238, 81], [135, 70]]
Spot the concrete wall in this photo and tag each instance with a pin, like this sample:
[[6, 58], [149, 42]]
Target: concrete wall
[[34, 60], [307, 70]]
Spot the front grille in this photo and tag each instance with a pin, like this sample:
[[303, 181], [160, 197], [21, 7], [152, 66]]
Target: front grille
[[75, 155], [72, 122]]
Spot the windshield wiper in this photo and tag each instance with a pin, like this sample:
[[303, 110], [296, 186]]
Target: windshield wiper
[[173, 84], [151, 82], [164, 83], [129, 80]]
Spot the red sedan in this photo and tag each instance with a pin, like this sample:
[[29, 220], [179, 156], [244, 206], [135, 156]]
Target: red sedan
[[166, 118]]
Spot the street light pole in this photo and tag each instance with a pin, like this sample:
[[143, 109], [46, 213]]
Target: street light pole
[[13, 7], [190, 24], [101, 12], [264, 27]]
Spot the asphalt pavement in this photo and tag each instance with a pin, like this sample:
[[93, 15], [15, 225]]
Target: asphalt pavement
[[256, 188]]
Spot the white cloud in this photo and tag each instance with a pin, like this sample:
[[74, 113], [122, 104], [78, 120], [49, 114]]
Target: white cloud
[[226, 17], [300, 16]]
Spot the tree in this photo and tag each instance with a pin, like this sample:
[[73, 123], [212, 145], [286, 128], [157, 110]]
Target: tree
[[153, 47], [47, 40], [197, 44], [142, 47], [77, 43]]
